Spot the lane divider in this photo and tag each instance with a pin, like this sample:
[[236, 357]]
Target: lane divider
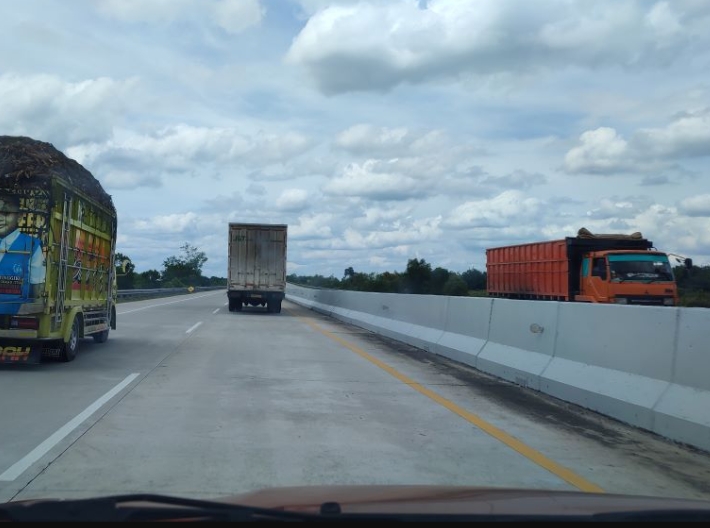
[[166, 303], [193, 327]]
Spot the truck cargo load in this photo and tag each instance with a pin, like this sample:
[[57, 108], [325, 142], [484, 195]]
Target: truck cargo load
[[256, 270], [620, 269], [57, 246]]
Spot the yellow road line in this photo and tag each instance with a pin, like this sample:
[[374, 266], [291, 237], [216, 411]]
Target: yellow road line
[[528, 452]]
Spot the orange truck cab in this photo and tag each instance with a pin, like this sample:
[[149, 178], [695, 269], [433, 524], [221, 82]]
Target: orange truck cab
[[627, 277], [619, 269]]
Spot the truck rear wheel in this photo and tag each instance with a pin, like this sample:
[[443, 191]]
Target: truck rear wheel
[[71, 347], [274, 306]]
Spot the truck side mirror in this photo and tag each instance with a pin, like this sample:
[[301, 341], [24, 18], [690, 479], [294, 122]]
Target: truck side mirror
[[688, 263]]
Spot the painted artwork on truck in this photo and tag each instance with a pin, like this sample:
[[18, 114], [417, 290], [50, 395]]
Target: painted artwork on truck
[[23, 253]]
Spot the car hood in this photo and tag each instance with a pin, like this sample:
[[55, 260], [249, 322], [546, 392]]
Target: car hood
[[454, 499]]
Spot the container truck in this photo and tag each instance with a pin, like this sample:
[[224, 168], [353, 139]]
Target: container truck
[[256, 273], [620, 269], [57, 247]]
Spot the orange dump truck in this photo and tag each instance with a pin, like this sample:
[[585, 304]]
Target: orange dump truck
[[620, 269]]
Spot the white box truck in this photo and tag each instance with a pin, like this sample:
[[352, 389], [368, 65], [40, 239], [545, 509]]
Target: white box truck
[[256, 271]]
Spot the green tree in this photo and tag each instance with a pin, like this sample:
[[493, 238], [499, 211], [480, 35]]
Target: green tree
[[184, 269], [476, 280], [417, 276], [148, 279], [455, 285], [438, 279]]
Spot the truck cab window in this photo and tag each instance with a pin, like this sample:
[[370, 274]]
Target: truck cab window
[[599, 268]]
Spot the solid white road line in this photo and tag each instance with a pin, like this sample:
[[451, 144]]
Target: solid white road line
[[38, 452], [163, 304]]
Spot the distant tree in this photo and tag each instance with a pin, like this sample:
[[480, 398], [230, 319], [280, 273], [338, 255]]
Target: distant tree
[[476, 280], [184, 269], [455, 285], [217, 281], [417, 276], [438, 278], [387, 282], [349, 273], [148, 279], [695, 279]]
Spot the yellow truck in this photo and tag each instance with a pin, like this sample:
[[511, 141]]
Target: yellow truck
[[57, 248]]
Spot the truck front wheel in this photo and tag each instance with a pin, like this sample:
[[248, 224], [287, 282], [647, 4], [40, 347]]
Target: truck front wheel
[[71, 347]]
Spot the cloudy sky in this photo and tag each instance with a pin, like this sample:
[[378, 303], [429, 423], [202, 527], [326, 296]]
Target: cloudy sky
[[378, 131]]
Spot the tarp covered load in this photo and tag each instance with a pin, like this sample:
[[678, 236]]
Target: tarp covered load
[[27, 162], [585, 233]]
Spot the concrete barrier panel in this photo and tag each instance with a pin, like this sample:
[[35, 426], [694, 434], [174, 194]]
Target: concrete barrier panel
[[683, 412], [616, 360], [417, 320], [521, 340], [466, 331]]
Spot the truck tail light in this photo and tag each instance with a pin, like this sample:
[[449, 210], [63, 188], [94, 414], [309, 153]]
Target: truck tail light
[[30, 323]]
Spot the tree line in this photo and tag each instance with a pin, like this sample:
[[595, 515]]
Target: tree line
[[182, 270], [418, 277], [693, 285]]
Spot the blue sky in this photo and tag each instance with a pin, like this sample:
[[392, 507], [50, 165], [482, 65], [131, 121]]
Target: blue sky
[[378, 131]]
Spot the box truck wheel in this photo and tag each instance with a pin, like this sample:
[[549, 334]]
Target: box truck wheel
[[71, 347]]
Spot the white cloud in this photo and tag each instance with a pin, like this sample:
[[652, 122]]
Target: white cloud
[[184, 149], [48, 108], [312, 226], [686, 136], [173, 223], [293, 200], [369, 181], [371, 140], [617, 208], [234, 16], [696, 205], [602, 151], [375, 46], [509, 207], [121, 179]]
